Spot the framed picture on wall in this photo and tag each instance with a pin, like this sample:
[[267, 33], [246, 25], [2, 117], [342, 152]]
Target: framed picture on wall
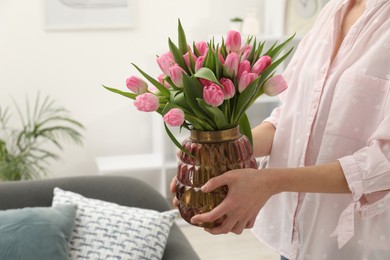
[[301, 14], [89, 14]]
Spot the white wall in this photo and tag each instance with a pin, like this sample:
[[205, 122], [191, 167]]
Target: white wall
[[70, 66]]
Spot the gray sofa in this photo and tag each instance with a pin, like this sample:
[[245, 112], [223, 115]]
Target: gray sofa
[[122, 190]]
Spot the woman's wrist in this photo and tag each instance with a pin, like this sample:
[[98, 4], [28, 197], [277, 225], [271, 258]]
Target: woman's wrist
[[326, 178]]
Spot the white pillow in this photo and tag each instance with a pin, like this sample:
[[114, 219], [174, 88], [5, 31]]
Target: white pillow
[[105, 230]]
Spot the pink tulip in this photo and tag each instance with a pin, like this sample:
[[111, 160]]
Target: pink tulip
[[165, 61], [228, 87], [261, 64], [202, 48], [186, 58], [199, 63], [245, 51], [220, 57], [161, 79], [205, 82], [245, 65], [176, 74], [231, 64], [275, 85], [136, 85], [246, 79], [233, 41], [147, 102], [213, 95], [174, 117]]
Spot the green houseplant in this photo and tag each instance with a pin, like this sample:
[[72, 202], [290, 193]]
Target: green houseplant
[[25, 151]]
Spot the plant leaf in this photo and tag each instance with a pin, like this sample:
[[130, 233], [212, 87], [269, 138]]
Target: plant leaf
[[164, 91], [245, 128], [245, 99], [193, 90], [258, 51], [209, 61], [216, 114], [174, 140], [275, 51], [218, 65], [178, 56], [251, 55], [120, 92], [199, 123], [182, 39], [206, 73]]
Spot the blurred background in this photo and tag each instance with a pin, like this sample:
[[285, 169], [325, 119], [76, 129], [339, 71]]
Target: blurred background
[[43, 48]]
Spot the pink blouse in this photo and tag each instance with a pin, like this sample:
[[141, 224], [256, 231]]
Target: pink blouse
[[331, 111]]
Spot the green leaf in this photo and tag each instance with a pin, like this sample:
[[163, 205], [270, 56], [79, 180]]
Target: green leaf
[[178, 56], [216, 114], [251, 56], [192, 64], [245, 128], [180, 100], [245, 99], [209, 61], [199, 123], [275, 51], [258, 51], [223, 49], [164, 91], [218, 65], [174, 140], [206, 73], [182, 39], [196, 51], [193, 90], [117, 91]]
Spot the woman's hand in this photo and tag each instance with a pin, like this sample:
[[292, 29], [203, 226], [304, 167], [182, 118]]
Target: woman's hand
[[249, 190], [172, 187]]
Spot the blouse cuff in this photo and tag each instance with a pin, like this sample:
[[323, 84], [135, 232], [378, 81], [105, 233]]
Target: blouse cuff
[[353, 176]]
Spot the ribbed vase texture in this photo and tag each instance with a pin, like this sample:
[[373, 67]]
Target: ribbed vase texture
[[211, 158]]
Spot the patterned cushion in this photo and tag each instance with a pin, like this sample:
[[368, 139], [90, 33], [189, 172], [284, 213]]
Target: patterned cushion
[[105, 230]]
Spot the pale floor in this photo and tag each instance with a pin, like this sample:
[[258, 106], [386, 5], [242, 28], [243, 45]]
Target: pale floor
[[227, 247]]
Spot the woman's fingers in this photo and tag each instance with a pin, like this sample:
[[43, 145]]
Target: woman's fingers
[[215, 183], [211, 216], [172, 186]]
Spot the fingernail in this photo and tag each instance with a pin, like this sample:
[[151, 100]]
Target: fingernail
[[203, 188]]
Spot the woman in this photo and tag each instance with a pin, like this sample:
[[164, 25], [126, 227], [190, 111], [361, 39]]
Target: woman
[[325, 192]]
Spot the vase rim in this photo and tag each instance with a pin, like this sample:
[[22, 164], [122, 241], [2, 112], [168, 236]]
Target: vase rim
[[216, 135]]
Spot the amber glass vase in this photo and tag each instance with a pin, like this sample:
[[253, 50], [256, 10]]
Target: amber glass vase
[[214, 153]]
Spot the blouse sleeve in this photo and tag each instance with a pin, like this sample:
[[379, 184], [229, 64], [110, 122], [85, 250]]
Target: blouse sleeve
[[368, 171]]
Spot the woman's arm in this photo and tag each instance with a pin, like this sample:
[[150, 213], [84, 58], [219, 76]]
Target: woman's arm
[[252, 188], [263, 136]]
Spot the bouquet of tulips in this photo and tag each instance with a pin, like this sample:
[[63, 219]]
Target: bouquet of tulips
[[209, 86]]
